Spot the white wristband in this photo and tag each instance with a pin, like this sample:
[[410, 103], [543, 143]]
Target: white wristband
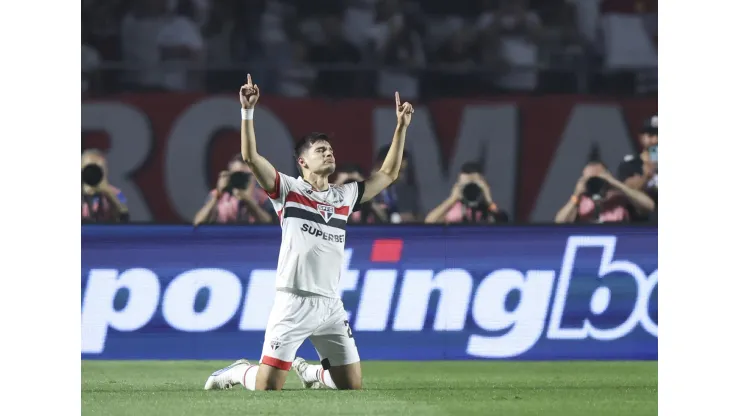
[[247, 113]]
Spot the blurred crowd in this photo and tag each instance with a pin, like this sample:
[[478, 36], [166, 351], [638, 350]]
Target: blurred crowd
[[629, 195], [340, 48]]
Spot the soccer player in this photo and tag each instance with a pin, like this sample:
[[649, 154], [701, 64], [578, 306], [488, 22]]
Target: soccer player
[[313, 215]]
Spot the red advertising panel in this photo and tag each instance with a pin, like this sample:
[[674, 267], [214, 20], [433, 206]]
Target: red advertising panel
[[166, 149]]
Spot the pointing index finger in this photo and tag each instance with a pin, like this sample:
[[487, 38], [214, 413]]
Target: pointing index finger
[[398, 100]]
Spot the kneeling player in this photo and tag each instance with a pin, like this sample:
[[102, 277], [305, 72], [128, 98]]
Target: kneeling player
[[313, 215]]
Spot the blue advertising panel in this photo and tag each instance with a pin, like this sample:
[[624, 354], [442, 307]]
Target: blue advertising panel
[[411, 292]]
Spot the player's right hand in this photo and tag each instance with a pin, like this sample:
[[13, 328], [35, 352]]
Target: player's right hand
[[249, 93]]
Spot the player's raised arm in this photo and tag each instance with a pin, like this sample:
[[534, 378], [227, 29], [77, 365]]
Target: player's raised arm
[[388, 172], [262, 169]]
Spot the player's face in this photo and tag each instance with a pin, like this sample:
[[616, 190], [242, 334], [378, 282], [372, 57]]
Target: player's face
[[319, 159]]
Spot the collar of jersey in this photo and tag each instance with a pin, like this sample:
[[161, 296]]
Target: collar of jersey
[[300, 178]]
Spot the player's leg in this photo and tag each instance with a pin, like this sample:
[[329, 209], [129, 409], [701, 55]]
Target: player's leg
[[251, 376], [277, 358], [340, 361], [343, 377], [291, 321]]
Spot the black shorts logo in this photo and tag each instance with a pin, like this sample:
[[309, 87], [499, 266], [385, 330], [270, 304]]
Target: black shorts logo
[[349, 330]]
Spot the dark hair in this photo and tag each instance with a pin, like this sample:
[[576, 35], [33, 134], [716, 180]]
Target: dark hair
[[472, 167], [305, 142]]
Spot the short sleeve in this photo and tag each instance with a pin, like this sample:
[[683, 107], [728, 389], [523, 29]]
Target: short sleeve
[[283, 185], [353, 192]]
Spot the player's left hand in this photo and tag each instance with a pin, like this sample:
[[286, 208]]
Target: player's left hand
[[403, 112]]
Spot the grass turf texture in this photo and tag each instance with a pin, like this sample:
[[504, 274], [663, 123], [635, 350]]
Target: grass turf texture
[[391, 388]]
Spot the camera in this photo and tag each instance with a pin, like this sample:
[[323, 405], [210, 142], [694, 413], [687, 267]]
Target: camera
[[595, 187], [238, 180], [92, 175], [472, 195]]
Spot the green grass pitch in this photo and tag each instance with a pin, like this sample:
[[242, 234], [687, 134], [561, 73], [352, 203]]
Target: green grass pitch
[[166, 388]]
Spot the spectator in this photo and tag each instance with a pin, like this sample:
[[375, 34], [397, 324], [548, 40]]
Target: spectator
[[629, 31], [455, 58], [631, 172], [182, 50], [90, 70], [469, 202], [371, 212], [400, 50], [139, 31], [162, 44], [518, 31], [296, 75], [236, 198], [599, 197], [101, 202], [219, 31], [649, 153], [641, 170], [101, 38], [335, 50], [359, 21]]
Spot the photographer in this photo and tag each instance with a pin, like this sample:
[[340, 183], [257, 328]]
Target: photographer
[[236, 198], [631, 172], [599, 197], [649, 154], [101, 202], [646, 178], [469, 202]]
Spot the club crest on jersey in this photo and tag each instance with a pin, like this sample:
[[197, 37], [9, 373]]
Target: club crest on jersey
[[326, 211]]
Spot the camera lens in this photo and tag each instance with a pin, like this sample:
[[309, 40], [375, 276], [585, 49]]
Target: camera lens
[[471, 195], [594, 186], [92, 175], [238, 180]]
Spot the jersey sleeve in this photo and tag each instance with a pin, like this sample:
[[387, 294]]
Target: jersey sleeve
[[283, 185], [353, 192]]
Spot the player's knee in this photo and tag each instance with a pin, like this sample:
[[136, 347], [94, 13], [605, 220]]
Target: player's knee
[[352, 385], [269, 385], [270, 378], [355, 386]]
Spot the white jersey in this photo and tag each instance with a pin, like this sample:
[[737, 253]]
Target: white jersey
[[313, 223]]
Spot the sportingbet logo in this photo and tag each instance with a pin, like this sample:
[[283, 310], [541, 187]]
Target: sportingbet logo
[[548, 304]]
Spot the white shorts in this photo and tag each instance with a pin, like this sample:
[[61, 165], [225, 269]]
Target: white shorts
[[322, 320]]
